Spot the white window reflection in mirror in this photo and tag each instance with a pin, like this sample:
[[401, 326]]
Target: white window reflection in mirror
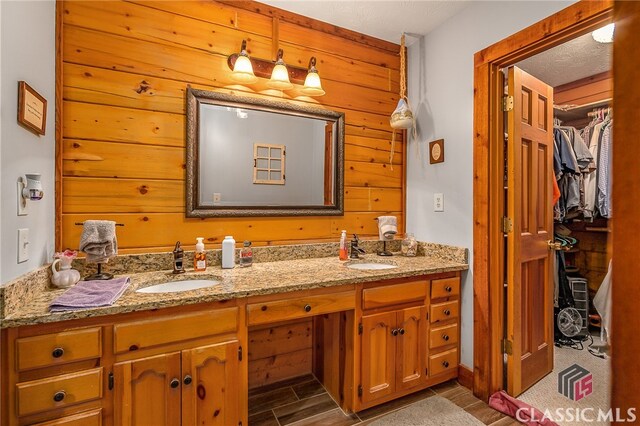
[[269, 164]]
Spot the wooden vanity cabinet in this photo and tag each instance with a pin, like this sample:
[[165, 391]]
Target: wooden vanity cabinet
[[191, 387]]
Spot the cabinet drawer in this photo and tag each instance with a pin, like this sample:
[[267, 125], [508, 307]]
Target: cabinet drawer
[[444, 335], [446, 287], [394, 294], [443, 362], [88, 418], [58, 348], [444, 311], [144, 334], [282, 310], [59, 391]]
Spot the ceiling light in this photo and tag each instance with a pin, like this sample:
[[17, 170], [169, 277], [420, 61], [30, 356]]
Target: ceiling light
[[604, 34], [280, 75], [312, 86], [243, 70]]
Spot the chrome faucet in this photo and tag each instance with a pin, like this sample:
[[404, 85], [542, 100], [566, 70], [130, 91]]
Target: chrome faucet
[[356, 251]]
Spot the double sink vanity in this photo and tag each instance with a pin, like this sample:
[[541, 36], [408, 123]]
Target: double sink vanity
[[174, 349]]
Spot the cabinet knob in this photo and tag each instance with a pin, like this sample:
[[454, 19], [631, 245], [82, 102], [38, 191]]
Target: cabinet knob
[[394, 331], [401, 331], [57, 352], [59, 396], [447, 312], [445, 337], [445, 364], [174, 383], [307, 308], [187, 380], [448, 289]]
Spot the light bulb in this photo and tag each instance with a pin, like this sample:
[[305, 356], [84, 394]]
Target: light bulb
[[604, 34]]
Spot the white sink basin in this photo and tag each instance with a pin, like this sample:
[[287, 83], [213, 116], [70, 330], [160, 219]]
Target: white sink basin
[[176, 286], [370, 266]]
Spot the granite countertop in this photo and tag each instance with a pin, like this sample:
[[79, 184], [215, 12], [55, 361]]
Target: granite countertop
[[260, 279]]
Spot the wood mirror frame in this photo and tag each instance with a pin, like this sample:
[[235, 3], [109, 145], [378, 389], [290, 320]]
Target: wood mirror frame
[[194, 208]]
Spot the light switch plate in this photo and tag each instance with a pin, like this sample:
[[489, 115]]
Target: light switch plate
[[217, 197], [23, 245], [438, 202]]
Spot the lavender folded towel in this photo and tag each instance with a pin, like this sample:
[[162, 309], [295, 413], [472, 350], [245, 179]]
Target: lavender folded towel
[[90, 294]]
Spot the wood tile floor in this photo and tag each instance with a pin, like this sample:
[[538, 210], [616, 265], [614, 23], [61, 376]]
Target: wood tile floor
[[304, 401]]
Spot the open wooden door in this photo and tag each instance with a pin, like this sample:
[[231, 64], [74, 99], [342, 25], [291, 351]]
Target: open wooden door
[[529, 269]]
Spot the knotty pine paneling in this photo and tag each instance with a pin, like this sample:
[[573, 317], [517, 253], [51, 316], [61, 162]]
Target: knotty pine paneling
[[125, 69]]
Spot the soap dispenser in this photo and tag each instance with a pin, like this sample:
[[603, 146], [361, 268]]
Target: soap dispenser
[[200, 256], [178, 259]]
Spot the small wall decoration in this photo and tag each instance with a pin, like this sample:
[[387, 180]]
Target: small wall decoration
[[268, 164], [32, 109], [436, 151]]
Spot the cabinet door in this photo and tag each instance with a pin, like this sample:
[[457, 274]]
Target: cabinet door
[[378, 355], [211, 391], [411, 347], [146, 392]]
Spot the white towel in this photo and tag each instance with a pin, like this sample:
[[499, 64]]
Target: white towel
[[602, 303], [99, 241], [387, 227]]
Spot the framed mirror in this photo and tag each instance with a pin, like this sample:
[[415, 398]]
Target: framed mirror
[[261, 157]]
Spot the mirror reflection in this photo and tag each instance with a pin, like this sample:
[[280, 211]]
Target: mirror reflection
[[256, 157]]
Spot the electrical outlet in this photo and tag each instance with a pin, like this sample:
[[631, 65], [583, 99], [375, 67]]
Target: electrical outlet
[[438, 202], [23, 245], [22, 203], [217, 197]]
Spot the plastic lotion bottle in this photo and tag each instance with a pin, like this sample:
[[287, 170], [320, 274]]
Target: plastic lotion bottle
[[200, 257], [228, 252], [343, 245]]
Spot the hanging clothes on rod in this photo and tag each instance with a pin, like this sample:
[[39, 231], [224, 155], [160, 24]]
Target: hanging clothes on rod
[[598, 184]]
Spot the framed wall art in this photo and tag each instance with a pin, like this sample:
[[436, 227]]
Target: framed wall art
[[32, 109]]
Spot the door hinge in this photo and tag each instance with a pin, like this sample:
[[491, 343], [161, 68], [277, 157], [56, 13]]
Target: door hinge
[[427, 316], [507, 103], [359, 390], [507, 347], [507, 224], [360, 328], [110, 381], [240, 353]]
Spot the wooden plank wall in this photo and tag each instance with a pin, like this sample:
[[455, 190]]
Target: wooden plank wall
[[125, 66]]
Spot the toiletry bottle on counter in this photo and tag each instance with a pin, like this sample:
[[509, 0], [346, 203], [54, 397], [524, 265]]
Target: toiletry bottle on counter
[[246, 254], [343, 246], [228, 252], [200, 257]]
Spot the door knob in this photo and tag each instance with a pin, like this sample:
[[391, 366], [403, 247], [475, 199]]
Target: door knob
[[401, 331], [445, 337], [187, 380], [59, 396], [57, 352], [445, 364], [448, 288], [174, 383], [447, 312], [554, 245], [394, 331], [307, 308]]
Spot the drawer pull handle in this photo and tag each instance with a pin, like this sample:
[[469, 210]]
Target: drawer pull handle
[[401, 331], [394, 332], [174, 383], [448, 288], [445, 364], [447, 312], [59, 396], [187, 380], [57, 352], [307, 308], [445, 337]]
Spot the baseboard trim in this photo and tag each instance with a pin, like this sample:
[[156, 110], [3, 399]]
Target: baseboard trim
[[465, 376]]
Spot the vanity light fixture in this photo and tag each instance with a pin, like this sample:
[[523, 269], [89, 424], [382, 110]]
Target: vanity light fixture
[[280, 75], [604, 34], [242, 69], [312, 86], [246, 70]]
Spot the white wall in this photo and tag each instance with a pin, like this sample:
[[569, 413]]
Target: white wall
[[441, 94], [27, 50]]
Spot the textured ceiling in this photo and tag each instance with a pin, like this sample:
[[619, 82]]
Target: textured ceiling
[[579, 58], [383, 19]]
